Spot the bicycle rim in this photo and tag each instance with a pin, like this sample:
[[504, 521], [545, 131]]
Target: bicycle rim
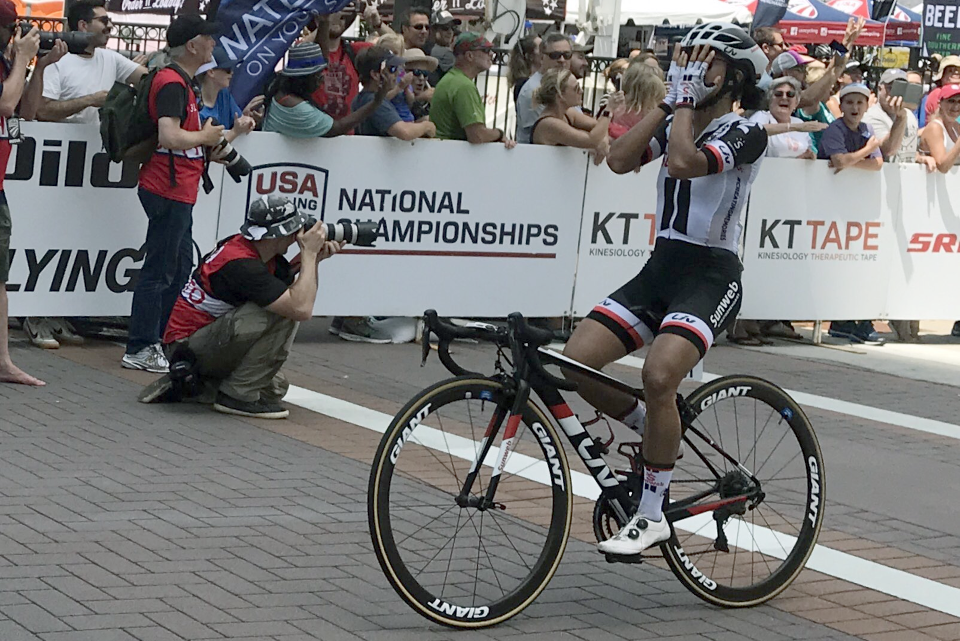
[[464, 567], [760, 426]]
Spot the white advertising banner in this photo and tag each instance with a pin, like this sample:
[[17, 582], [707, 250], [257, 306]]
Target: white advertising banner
[[926, 230], [617, 232], [78, 226], [817, 245], [470, 230]]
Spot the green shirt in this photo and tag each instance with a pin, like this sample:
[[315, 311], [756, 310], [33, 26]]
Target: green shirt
[[456, 105]]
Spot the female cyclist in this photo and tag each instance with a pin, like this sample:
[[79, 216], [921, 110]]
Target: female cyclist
[[689, 290]]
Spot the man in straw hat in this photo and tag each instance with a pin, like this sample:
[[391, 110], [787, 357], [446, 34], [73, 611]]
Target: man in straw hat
[[420, 66]]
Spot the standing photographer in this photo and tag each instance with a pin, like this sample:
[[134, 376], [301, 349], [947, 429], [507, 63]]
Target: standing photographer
[[76, 86], [169, 183], [13, 73], [233, 325]]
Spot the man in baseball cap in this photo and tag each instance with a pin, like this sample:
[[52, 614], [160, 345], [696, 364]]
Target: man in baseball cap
[[456, 107], [232, 326], [444, 27], [894, 123]]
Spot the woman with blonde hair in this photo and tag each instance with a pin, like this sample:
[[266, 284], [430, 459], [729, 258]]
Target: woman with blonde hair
[[643, 90], [524, 62], [558, 92]]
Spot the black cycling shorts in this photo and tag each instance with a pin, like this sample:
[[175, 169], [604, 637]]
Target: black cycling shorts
[[684, 289]]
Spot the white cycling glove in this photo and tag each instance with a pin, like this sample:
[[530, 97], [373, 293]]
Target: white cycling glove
[[673, 79], [692, 90]]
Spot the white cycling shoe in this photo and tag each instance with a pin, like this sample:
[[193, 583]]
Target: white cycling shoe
[[637, 535]]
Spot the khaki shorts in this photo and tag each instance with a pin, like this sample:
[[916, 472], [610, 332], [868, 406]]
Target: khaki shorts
[[4, 238]]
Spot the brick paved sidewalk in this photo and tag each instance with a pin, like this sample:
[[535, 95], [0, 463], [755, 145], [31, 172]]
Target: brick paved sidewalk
[[120, 521]]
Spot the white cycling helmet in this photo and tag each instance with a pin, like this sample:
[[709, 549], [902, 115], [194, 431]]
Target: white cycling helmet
[[731, 41]]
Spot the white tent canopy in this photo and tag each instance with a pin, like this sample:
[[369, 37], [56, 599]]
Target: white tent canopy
[[677, 12]]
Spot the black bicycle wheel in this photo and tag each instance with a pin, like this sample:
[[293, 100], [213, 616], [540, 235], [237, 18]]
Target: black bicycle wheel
[[462, 566], [765, 541]]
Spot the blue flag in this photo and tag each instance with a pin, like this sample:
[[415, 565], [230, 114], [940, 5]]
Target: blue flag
[[259, 32], [769, 13]]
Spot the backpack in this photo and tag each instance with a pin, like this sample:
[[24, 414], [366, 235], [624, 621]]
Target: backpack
[[126, 129]]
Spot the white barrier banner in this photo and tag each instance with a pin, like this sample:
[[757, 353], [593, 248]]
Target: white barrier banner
[[926, 230], [78, 226], [816, 245], [471, 230], [617, 232]]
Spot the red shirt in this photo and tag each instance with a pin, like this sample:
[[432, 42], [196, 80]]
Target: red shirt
[[229, 276], [341, 82], [5, 148], [188, 164]]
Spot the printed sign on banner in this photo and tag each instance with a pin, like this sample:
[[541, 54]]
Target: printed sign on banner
[[927, 233], [471, 230], [78, 226], [941, 29], [816, 253], [617, 233]]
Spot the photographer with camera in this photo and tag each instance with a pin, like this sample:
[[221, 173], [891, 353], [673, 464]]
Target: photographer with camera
[[232, 326], [169, 182], [13, 73], [76, 86]]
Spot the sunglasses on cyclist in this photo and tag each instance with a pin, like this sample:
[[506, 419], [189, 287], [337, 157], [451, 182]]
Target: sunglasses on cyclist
[[556, 55], [784, 94]]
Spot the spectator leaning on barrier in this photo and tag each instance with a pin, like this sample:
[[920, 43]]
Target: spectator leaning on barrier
[[556, 51], [940, 135], [947, 73], [169, 182], [13, 73], [443, 26], [289, 107], [524, 62], [379, 69], [217, 102], [559, 90], [341, 82], [414, 27], [850, 143], [457, 108], [234, 323]]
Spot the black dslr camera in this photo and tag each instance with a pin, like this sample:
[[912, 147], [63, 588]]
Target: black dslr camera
[[77, 41], [359, 234], [237, 165]]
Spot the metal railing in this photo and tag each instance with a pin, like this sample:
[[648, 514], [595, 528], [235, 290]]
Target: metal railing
[[127, 37]]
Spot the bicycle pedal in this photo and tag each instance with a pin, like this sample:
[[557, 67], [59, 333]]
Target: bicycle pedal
[[629, 559]]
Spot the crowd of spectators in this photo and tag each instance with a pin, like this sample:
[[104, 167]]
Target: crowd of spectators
[[418, 79]]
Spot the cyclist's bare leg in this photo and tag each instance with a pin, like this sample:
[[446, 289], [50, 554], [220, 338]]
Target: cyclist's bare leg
[[595, 346], [670, 358]]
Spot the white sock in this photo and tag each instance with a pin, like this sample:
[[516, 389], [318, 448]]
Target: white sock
[[636, 418], [655, 484]]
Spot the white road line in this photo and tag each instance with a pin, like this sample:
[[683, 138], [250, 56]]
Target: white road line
[[869, 574], [908, 421]]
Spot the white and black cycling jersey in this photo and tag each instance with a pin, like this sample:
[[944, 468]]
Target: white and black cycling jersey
[[706, 210]]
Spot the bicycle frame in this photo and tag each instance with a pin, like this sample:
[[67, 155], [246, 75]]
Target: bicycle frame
[[615, 492]]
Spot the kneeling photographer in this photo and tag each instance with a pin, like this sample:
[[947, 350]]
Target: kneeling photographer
[[232, 327]]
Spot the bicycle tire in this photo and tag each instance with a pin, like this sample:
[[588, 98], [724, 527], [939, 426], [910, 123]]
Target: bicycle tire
[[709, 585], [423, 412]]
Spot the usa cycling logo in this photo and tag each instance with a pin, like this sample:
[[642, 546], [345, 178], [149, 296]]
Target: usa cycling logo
[[305, 185]]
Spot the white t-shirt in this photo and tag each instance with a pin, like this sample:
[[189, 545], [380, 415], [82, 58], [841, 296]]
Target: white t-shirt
[[877, 118], [76, 76], [791, 144]]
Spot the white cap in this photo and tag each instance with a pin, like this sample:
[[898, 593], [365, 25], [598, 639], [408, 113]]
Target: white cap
[[855, 87]]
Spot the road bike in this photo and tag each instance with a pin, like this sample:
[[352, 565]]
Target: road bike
[[471, 493]]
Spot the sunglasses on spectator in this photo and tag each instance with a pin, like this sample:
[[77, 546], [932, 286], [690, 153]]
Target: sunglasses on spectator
[[420, 73], [784, 94], [420, 27], [104, 19], [556, 55]]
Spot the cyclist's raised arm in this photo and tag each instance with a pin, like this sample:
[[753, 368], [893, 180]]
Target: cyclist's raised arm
[[741, 144], [646, 141]]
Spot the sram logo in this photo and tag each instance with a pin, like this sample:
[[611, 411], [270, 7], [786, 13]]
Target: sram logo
[[814, 490], [739, 390], [934, 243], [692, 569], [555, 471], [460, 612], [407, 431]]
